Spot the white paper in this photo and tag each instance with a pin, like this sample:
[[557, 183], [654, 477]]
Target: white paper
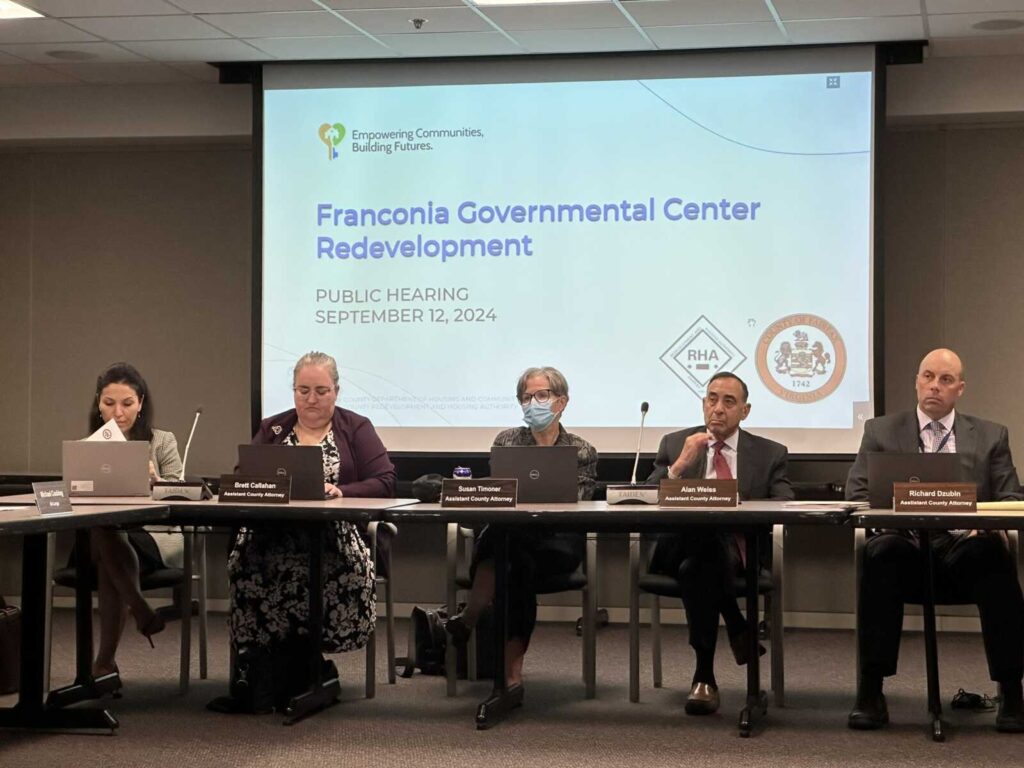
[[109, 431]]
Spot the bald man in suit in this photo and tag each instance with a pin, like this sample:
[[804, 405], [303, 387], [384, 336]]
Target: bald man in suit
[[972, 566], [704, 559]]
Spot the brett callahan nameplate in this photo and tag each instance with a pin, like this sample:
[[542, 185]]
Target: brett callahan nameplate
[[720, 494], [934, 497], [255, 490], [485, 492]]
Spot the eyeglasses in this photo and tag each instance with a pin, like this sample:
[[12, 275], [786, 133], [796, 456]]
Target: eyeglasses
[[541, 396], [305, 392]]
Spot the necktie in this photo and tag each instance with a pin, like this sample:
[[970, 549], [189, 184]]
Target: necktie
[[937, 429], [722, 472]]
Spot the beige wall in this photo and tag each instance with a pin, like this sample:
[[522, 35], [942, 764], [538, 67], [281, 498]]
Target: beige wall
[[124, 255]]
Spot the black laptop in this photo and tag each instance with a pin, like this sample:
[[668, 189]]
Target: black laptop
[[304, 464], [546, 473], [884, 469]]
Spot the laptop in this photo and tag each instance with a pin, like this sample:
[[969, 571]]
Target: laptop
[[546, 473], [303, 463], [106, 468], [884, 469]]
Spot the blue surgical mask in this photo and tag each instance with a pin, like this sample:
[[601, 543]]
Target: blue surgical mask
[[537, 416]]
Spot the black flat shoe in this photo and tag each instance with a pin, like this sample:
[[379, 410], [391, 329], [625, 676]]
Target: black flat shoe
[[740, 646], [1010, 718], [229, 705], [458, 630], [869, 713]]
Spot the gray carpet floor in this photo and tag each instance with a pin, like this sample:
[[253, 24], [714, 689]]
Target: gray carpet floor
[[413, 724]]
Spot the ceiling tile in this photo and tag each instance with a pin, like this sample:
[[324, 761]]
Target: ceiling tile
[[32, 74], [856, 30], [354, 46], [37, 52], [40, 31], [68, 8], [451, 44], [573, 16], [845, 9], [360, 5], [1005, 45], [396, 21], [976, 6], [582, 40], [291, 24], [148, 28], [716, 35], [684, 12], [138, 72], [197, 50], [245, 6], [959, 24]]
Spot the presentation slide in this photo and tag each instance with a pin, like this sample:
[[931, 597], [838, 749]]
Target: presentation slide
[[640, 235]]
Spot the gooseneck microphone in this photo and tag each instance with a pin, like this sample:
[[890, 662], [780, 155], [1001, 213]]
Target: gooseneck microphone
[[644, 407], [183, 489], [634, 493], [188, 443]]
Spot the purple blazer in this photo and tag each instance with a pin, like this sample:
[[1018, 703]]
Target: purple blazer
[[366, 470]]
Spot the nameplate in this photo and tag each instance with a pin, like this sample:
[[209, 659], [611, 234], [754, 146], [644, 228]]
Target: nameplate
[[719, 494], [934, 497], [52, 498], [255, 490], [485, 492]]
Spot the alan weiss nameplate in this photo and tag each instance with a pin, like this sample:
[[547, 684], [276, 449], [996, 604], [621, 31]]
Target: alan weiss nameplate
[[722, 494], [484, 492]]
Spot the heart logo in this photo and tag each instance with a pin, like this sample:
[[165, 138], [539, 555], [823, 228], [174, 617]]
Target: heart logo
[[331, 135]]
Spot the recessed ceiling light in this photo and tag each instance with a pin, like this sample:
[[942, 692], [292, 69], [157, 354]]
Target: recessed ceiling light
[[532, 2], [998, 25], [65, 55], [11, 10]]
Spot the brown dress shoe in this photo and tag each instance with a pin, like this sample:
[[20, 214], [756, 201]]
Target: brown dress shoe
[[703, 699]]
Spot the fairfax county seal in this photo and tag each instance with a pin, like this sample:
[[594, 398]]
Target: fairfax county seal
[[801, 358]]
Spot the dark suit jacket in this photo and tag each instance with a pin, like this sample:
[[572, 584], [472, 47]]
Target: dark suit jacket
[[983, 448], [760, 463]]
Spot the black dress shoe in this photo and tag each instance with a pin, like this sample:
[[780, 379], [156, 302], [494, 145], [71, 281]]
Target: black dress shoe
[[703, 699], [458, 630], [1010, 718], [869, 713], [740, 645]]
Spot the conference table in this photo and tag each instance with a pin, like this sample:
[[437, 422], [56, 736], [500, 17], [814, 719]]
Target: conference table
[[30, 711], [310, 515], [751, 517], [991, 516]]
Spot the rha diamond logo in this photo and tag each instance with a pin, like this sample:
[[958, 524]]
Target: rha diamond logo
[[700, 353]]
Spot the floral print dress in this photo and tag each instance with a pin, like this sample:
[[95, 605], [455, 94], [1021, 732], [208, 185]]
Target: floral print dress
[[269, 571]]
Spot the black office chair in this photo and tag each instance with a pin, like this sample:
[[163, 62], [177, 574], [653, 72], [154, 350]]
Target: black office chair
[[584, 579], [769, 587], [179, 580]]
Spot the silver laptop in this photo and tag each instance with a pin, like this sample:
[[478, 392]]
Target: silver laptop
[[303, 463], [546, 473], [106, 468], [884, 469]]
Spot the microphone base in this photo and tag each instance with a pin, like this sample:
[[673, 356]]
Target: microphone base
[[191, 490], [633, 494]]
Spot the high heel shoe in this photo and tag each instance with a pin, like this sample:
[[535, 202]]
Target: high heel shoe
[[108, 684], [153, 625]]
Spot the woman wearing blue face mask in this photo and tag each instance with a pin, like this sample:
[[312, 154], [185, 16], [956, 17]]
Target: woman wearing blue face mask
[[533, 556]]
